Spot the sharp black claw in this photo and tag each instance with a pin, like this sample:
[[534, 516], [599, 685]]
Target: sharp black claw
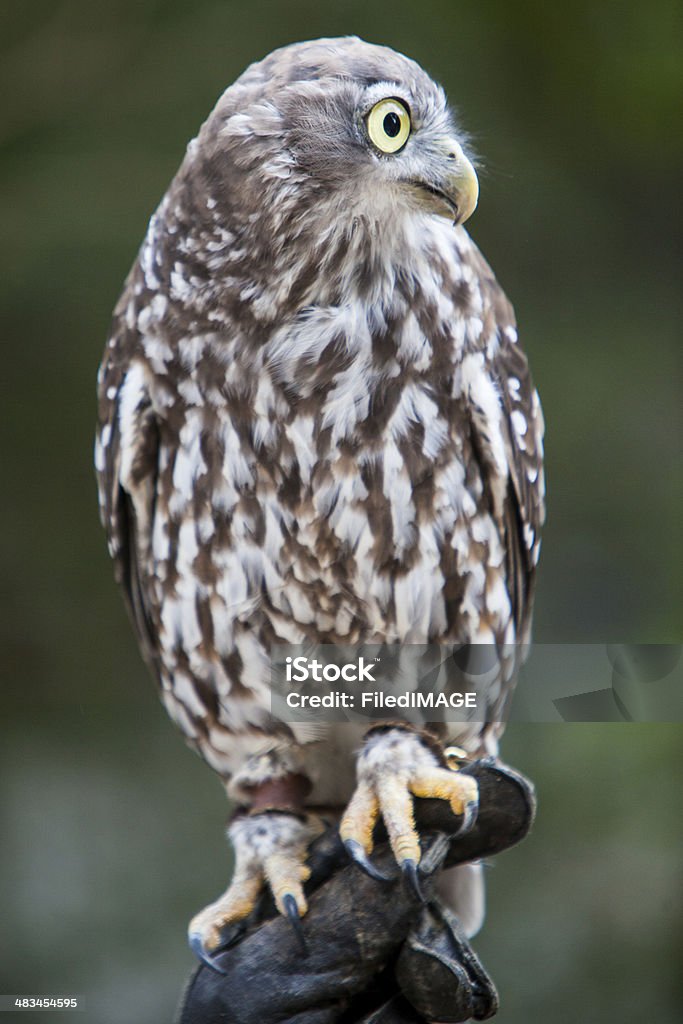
[[292, 911], [436, 853], [202, 954], [409, 869], [469, 816], [360, 857]]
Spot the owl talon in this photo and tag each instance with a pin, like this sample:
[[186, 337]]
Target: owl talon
[[196, 944], [412, 876], [270, 850], [469, 816], [395, 765], [291, 909], [360, 857]]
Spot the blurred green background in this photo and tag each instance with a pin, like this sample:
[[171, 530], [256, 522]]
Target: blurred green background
[[111, 829]]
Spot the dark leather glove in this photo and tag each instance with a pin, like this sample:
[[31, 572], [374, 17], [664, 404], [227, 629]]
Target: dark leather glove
[[373, 953]]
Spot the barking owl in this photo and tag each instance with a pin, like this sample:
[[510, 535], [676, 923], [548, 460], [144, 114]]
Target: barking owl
[[316, 425]]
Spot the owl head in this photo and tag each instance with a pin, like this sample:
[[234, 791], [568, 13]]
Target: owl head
[[338, 123], [308, 179]]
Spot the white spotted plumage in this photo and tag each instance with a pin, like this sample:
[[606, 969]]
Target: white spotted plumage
[[316, 423]]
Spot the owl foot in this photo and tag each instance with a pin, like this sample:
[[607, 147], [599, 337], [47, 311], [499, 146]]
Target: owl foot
[[270, 850], [396, 764]]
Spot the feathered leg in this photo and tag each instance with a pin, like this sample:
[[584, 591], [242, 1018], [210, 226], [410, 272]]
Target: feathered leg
[[270, 834]]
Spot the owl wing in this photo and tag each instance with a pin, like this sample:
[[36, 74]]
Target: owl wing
[[524, 507], [127, 460], [524, 503], [507, 430]]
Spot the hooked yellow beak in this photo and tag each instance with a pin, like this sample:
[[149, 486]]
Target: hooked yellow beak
[[461, 185], [454, 191]]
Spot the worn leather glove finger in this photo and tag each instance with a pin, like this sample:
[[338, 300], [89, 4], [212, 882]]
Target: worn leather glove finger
[[439, 973]]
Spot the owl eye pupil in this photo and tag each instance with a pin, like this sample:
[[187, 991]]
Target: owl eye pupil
[[392, 125]]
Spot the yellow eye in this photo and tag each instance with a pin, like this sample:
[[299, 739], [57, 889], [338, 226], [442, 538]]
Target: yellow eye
[[389, 125]]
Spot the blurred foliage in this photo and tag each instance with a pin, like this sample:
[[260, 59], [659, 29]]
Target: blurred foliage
[[575, 112]]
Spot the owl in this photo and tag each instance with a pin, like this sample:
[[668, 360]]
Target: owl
[[317, 426]]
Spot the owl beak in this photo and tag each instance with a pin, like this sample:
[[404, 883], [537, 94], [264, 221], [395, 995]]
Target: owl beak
[[450, 188], [460, 184]]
